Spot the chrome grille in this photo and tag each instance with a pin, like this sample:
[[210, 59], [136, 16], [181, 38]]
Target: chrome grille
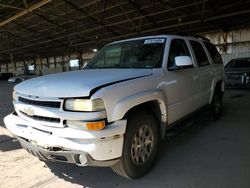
[[51, 104], [42, 118]]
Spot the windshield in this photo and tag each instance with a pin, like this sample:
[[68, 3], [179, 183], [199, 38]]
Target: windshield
[[144, 53]]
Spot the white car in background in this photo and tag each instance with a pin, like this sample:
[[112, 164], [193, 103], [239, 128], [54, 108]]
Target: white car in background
[[115, 111], [15, 79]]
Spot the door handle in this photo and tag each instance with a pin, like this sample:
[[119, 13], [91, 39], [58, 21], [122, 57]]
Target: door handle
[[211, 73], [196, 77]]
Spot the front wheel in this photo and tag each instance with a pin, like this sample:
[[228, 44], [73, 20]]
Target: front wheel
[[140, 146]]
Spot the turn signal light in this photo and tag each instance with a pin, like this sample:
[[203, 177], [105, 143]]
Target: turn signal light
[[95, 126]]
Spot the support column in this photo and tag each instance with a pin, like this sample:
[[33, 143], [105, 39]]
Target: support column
[[7, 67], [47, 59], [39, 61], [55, 61], [80, 60], [12, 60]]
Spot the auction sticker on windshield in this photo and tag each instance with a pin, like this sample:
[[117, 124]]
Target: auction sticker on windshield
[[153, 41]]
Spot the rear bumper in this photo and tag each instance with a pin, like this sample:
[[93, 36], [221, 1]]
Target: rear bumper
[[99, 146]]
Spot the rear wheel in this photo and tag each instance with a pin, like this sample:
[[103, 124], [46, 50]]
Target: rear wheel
[[140, 146], [216, 105]]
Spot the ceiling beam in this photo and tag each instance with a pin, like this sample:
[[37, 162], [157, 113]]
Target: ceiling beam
[[11, 7], [144, 31], [90, 18], [24, 12], [142, 12]]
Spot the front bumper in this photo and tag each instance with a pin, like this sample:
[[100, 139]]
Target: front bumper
[[69, 156], [65, 144]]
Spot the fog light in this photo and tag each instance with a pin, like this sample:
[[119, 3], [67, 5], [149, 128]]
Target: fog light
[[83, 159]]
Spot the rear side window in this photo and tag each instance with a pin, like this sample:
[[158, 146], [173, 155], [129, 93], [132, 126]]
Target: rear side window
[[178, 47], [214, 53], [200, 54]]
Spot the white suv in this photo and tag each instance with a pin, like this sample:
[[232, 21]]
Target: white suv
[[115, 111]]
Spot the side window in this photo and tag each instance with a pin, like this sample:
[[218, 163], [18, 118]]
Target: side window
[[178, 47], [214, 53], [200, 54]]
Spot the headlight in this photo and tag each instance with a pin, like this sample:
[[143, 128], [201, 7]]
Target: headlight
[[14, 96], [84, 105]]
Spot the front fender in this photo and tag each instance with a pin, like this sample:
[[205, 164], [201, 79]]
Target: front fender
[[124, 105]]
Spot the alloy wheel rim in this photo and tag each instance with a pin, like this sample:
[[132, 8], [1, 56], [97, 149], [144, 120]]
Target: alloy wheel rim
[[142, 145]]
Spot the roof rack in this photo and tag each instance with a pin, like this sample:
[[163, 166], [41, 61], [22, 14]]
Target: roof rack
[[194, 35]]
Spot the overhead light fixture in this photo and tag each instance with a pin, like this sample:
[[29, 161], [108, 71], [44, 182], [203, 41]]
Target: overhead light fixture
[[94, 50]]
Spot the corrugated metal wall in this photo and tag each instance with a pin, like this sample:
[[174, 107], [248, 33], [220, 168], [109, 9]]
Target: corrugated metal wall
[[232, 44]]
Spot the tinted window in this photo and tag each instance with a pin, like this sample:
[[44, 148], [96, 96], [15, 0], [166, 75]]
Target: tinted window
[[178, 47], [214, 53], [200, 54], [244, 63], [238, 63]]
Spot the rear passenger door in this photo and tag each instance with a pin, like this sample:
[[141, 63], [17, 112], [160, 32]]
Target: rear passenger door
[[206, 75]]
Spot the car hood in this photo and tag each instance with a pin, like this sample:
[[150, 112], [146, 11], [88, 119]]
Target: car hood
[[77, 83]]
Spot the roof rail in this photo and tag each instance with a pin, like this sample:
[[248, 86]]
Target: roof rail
[[194, 35]]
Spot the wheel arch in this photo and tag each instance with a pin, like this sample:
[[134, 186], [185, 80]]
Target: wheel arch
[[217, 85], [152, 101]]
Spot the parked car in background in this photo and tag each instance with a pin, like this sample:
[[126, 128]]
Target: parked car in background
[[238, 73], [5, 75], [22, 77], [15, 79]]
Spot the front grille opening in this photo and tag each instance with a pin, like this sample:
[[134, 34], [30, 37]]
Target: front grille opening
[[41, 118], [56, 149], [40, 103], [57, 157]]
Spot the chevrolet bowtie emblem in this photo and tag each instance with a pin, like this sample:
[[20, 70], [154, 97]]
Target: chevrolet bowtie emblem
[[29, 111]]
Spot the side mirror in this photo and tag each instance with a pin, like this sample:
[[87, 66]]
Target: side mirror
[[183, 61]]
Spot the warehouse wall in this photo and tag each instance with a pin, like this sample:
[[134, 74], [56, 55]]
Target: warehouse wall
[[233, 44], [46, 65]]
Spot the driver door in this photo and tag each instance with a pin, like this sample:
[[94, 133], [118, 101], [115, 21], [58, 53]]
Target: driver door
[[182, 84]]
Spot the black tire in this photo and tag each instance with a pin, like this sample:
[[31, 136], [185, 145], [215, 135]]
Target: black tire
[[216, 105], [130, 166]]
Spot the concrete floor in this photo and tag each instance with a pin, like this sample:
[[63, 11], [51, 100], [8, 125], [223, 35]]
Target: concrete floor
[[206, 154]]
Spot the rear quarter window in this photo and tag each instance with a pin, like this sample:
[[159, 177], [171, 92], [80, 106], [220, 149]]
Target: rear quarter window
[[215, 55]]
